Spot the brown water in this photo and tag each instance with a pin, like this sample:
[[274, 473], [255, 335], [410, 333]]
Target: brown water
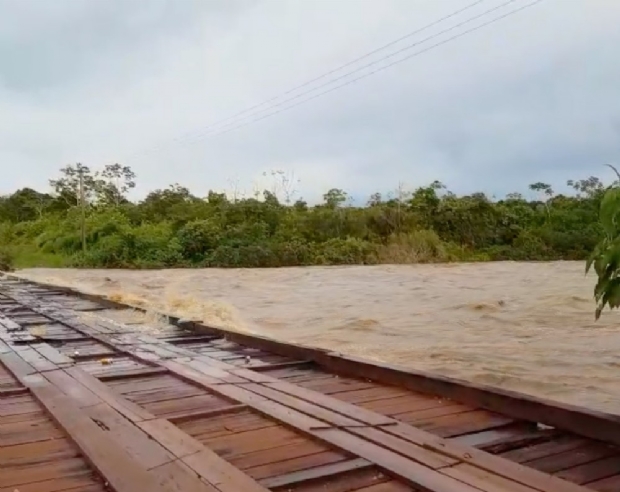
[[523, 326]]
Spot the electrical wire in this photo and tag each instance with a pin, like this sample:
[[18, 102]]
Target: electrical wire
[[224, 130], [382, 59], [325, 74], [352, 62], [380, 69]]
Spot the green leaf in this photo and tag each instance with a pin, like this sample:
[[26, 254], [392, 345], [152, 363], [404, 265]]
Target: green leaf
[[610, 208], [613, 294]]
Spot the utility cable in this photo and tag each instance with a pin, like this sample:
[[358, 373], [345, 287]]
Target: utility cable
[[380, 69], [224, 130], [325, 74], [382, 59]]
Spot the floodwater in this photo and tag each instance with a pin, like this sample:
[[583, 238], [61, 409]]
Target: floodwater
[[523, 326]]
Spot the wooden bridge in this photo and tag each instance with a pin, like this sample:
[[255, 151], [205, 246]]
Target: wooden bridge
[[89, 404]]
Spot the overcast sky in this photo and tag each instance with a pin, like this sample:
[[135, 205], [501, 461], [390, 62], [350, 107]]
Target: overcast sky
[[533, 97]]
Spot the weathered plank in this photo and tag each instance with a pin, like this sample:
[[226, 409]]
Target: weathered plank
[[207, 464], [53, 355], [116, 465], [129, 410]]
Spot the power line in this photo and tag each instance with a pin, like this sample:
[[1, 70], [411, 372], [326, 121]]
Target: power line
[[352, 62], [380, 69], [335, 70], [373, 63]]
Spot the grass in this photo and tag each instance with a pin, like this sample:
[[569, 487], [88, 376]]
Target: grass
[[31, 257]]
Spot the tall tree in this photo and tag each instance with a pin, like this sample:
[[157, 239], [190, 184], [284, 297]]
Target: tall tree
[[334, 198], [67, 186], [113, 184]]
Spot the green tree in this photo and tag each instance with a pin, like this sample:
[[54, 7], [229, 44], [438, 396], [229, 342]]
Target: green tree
[[113, 183], [334, 198], [67, 186], [174, 227], [606, 255]]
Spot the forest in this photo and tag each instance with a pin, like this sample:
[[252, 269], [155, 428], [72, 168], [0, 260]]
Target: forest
[[86, 219]]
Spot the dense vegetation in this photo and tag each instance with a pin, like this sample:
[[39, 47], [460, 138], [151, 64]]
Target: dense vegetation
[[606, 255], [172, 227]]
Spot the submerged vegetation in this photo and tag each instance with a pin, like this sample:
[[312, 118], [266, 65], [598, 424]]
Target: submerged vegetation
[[173, 228]]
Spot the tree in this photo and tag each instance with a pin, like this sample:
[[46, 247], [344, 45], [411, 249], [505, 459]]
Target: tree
[[171, 226], [606, 255], [334, 198], [169, 202], [545, 192], [113, 183], [375, 200], [24, 205], [542, 188], [589, 187], [284, 184], [67, 186]]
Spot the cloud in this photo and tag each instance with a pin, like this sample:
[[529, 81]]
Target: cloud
[[530, 98]]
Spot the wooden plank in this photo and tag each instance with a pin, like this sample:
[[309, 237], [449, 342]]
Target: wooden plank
[[316, 473], [207, 464], [190, 338], [584, 454], [506, 438], [593, 471], [133, 373], [197, 414], [35, 359], [178, 477], [415, 473], [73, 389], [582, 421], [15, 364], [171, 437], [8, 324], [118, 467], [464, 423], [144, 450], [485, 461], [484, 480], [53, 355], [353, 411], [139, 444], [291, 449], [556, 446], [418, 454], [4, 348], [281, 365], [217, 369], [512, 471], [610, 484], [13, 392], [129, 410]]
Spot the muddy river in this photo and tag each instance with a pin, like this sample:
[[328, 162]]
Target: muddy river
[[523, 326]]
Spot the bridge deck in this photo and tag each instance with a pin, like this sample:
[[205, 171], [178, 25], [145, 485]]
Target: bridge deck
[[89, 403]]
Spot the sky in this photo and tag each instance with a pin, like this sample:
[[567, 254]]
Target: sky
[[156, 84]]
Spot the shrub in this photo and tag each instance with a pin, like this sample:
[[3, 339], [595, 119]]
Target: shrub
[[422, 246], [7, 260]]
